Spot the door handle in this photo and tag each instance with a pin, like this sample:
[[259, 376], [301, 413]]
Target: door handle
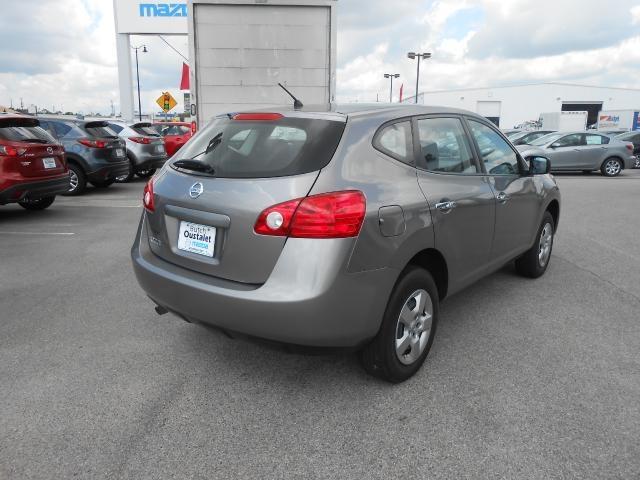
[[502, 197], [446, 206]]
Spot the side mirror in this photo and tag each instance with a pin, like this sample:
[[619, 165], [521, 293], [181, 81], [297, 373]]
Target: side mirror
[[539, 165]]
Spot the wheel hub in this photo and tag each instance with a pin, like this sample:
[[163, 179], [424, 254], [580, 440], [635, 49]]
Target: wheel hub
[[413, 327]]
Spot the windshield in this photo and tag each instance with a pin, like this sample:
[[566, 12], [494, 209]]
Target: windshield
[[258, 148], [552, 137]]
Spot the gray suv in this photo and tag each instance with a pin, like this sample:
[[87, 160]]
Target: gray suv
[[344, 226], [94, 153], [145, 148]]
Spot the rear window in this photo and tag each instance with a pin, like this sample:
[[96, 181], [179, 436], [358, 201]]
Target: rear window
[[18, 130], [100, 129], [150, 131], [259, 149]]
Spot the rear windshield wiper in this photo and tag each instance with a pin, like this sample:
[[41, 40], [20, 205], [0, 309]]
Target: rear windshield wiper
[[195, 165]]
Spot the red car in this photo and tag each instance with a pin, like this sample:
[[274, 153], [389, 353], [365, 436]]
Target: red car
[[33, 169], [175, 134]]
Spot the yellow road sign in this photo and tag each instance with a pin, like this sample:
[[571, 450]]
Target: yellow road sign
[[166, 101]]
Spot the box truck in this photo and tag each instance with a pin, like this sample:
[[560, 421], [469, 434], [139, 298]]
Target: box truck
[[564, 121], [622, 119], [240, 50]]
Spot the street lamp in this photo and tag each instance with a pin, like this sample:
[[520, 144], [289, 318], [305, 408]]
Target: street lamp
[[144, 50], [413, 56], [391, 76]]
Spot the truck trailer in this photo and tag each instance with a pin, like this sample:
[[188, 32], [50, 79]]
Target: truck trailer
[[564, 121], [241, 50], [622, 119]]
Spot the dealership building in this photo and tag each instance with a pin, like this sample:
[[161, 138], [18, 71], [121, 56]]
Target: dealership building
[[513, 105]]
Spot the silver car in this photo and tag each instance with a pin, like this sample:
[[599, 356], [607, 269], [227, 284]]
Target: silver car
[[584, 151], [145, 148], [343, 226]]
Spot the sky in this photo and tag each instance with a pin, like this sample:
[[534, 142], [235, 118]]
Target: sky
[[60, 54]]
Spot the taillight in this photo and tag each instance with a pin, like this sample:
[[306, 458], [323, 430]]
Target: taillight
[[629, 146], [11, 151], [145, 140], [193, 128], [328, 215], [257, 116], [147, 197], [87, 142]]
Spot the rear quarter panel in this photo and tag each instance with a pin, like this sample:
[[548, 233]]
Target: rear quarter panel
[[385, 182]]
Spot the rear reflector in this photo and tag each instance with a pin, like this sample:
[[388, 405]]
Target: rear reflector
[[328, 215], [92, 143], [147, 197], [257, 116]]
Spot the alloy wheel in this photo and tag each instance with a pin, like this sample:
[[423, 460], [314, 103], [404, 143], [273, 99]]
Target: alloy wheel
[[612, 167], [544, 245], [73, 180], [413, 327]]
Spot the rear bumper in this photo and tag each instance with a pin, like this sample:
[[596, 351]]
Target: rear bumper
[[35, 189], [308, 299], [154, 162], [108, 170]]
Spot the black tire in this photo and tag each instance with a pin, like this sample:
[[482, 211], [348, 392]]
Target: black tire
[[103, 183], [126, 178], [636, 163], [80, 179], [146, 173], [379, 357], [37, 204], [530, 264], [609, 169]]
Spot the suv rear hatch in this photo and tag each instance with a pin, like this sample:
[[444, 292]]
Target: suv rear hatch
[[151, 141], [217, 186], [28, 149], [101, 137]]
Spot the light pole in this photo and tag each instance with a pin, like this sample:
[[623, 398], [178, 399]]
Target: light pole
[[391, 76], [144, 50], [412, 56]]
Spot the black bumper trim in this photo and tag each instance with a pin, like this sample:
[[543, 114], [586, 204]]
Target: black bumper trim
[[35, 190]]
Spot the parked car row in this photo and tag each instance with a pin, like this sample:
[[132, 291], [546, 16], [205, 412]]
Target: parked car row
[[44, 157]]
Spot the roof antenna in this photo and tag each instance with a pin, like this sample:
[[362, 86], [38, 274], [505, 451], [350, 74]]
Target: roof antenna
[[297, 104]]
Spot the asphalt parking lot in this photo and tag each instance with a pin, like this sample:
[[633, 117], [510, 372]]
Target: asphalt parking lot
[[526, 379]]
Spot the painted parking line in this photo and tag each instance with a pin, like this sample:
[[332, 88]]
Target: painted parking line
[[35, 233]]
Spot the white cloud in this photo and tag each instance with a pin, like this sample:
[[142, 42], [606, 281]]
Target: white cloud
[[62, 52]]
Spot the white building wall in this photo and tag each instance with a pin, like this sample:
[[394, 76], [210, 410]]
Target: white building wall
[[526, 102]]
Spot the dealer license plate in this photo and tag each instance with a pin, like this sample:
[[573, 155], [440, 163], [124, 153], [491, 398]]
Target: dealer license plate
[[160, 148], [196, 238], [119, 152], [49, 162]]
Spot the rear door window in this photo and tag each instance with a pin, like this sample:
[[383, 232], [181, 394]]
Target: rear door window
[[444, 146], [259, 148], [396, 141], [592, 139]]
